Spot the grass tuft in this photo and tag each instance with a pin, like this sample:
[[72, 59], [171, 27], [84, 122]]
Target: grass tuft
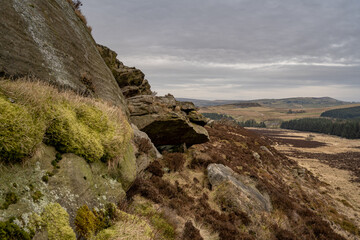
[[87, 127]]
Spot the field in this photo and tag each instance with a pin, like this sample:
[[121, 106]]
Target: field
[[272, 116], [334, 160]]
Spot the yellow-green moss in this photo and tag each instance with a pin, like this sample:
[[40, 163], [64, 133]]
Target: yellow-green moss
[[85, 222], [157, 220], [68, 134], [129, 227], [74, 124], [57, 224], [19, 131]]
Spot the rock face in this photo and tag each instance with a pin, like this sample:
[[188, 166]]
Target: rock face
[[235, 191], [46, 39], [166, 121], [146, 152], [131, 80], [73, 184]]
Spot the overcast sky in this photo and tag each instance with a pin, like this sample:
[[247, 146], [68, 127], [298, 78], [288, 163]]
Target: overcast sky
[[236, 49]]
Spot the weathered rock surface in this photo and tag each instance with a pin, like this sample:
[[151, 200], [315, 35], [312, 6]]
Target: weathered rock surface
[[130, 79], [145, 150], [73, 184], [164, 121], [236, 191], [46, 39]]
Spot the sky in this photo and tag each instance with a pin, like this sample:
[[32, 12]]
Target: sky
[[236, 49]]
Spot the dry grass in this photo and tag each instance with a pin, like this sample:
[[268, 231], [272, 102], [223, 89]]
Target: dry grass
[[76, 4], [94, 121]]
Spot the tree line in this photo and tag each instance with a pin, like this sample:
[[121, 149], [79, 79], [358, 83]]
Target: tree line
[[247, 123], [342, 128], [343, 113]]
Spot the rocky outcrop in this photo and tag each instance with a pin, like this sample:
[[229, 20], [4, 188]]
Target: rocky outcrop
[[47, 40], [236, 191], [130, 79], [166, 122], [145, 150]]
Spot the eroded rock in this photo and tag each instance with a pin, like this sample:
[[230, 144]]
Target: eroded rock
[[164, 122], [146, 152], [130, 79], [235, 191]]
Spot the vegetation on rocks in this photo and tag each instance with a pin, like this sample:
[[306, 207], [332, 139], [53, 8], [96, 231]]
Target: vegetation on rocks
[[10, 198], [55, 222], [33, 112], [11, 231]]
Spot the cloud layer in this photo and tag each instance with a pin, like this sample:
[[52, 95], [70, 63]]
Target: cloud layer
[[236, 49]]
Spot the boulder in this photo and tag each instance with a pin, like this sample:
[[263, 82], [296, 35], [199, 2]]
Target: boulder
[[164, 122], [48, 40], [130, 79], [236, 192], [145, 150]]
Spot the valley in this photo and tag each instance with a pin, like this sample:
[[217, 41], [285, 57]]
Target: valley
[[272, 116], [334, 160]]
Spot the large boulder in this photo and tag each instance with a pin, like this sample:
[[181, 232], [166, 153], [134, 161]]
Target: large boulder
[[48, 40], [163, 119], [236, 192], [130, 79]]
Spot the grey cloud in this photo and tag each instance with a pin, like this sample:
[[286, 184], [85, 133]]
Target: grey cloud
[[240, 44]]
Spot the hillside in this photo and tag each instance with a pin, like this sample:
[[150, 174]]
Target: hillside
[[300, 102], [88, 152]]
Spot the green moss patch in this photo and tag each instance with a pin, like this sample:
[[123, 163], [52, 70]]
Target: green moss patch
[[10, 198], [86, 222], [11, 231], [56, 220], [19, 131], [72, 124]]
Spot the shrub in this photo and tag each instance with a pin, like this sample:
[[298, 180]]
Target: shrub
[[174, 161]]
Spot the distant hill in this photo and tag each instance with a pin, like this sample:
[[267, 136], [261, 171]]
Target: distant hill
[[298, 102], [343, 113]]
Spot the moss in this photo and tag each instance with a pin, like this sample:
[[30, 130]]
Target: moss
[[57, 223], [85, 222], [128, 227], [157, 220], [11, 231], [67, 134], [19, 131], [45, 178], [36, 196], [10, 198], [72, 124], [127, 168]]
